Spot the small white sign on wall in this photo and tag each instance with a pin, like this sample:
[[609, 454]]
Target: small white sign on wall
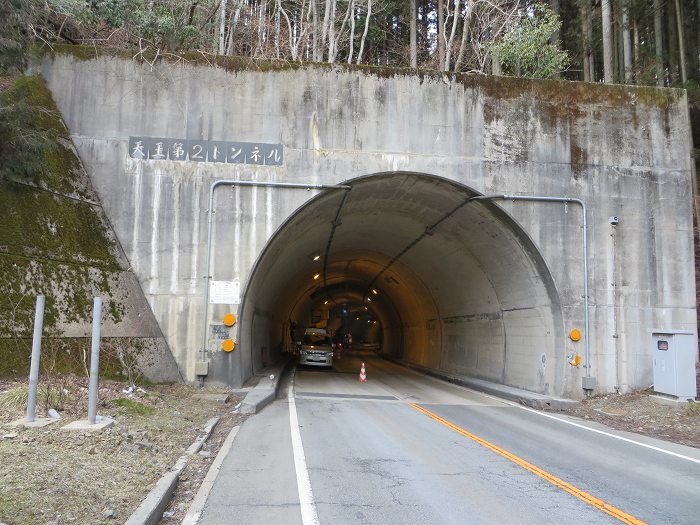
[[225, 292]]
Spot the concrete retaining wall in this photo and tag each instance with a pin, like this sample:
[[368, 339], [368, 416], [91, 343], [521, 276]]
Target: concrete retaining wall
[[623, 150]]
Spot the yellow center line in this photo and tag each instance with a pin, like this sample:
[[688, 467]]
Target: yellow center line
[[584, 496]]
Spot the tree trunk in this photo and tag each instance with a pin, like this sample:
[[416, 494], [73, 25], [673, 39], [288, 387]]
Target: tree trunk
[[586, 30], [222, 27], [607, 42], [671, 43], [324, 28], [555, 5], [364, 34], [441, 32], [334, 41], [466, 24], [658, 44], [414, 37], [351, 51], [681, 44], [626, 42], [234, 26], [450, 43], [315, 44], [635, 41], [556, 36]]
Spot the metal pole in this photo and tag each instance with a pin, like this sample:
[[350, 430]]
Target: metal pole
[[585, 254], [210, 212], [94, 360], [36, 354]]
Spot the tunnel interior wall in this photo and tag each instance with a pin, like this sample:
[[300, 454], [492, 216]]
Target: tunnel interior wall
[[624, 150]]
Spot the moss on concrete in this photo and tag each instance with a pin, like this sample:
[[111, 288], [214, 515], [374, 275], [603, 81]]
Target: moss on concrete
[[498, 87], [52, 241], [60, 355], [37, 223]]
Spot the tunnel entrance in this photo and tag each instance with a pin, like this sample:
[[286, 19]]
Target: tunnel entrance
[[415, 267]]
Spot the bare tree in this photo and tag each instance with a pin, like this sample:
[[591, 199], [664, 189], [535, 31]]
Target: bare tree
[[364, 34], [484, 22], [456, 15]]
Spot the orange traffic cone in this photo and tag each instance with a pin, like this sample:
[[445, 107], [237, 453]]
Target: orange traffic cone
[[363, 374]]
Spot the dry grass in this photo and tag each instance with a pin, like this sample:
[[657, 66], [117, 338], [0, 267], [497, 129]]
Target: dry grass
[[48, 474]]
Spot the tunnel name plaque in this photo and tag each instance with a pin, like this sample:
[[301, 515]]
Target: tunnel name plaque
[[257, 153]]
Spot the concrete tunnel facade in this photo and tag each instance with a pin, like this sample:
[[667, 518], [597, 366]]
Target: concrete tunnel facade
[[471, 297], [490, 290]]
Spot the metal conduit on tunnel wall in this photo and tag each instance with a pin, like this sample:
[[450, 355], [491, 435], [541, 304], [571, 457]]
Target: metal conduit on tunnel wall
[[534, 198], [210, 213], [537, 198]]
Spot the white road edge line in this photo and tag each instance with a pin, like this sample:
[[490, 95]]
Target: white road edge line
[[652, 447], [306, 496]]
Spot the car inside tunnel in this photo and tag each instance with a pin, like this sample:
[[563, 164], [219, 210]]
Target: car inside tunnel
[[418, 268]]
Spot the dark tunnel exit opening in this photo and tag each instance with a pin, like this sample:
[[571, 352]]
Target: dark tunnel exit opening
[[411, 266]]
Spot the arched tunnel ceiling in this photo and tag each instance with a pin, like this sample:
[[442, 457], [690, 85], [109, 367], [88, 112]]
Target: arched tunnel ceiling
[[473, 250], [460, 287]]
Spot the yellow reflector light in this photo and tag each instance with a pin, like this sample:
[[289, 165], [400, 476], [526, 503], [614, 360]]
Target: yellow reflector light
[[575, 334], [229, 319], [228, 345]]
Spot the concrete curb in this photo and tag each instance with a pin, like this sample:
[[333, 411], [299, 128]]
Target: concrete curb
[[523, 397], [151, 509], [200, 499], [266, 389]]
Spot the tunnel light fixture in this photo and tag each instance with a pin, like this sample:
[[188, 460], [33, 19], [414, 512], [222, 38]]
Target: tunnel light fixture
[[374, 322], [369, 299], [316, 276], [325, 302], [374, 291], [365, 308], [315, 256]]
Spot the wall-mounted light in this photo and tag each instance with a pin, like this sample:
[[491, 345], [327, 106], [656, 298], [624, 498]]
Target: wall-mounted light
[[316, 276], [369, 299], [325, 302], [315, 256], [374, 291]]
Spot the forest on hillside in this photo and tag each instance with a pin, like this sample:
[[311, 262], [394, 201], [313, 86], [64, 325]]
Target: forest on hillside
[[649, 42]]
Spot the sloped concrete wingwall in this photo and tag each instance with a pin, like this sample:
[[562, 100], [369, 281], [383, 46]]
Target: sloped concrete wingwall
[[56, 241], [624, 150]]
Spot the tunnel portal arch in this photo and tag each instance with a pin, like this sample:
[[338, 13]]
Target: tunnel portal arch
[[446, 283]]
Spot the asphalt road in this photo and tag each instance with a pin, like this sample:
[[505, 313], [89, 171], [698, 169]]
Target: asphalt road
[[404, 448]]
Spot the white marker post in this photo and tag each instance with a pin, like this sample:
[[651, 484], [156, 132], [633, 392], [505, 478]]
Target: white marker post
[[94, 360], [36, 355]]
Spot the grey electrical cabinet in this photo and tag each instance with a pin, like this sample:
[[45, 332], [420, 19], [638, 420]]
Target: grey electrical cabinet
[[674, 363]]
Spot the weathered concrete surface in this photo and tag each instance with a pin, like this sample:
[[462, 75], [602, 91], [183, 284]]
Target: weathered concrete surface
[[517, 270], [55, 240]]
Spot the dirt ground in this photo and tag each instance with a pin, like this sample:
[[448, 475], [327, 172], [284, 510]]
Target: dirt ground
[[53, 477], [637, 412]]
